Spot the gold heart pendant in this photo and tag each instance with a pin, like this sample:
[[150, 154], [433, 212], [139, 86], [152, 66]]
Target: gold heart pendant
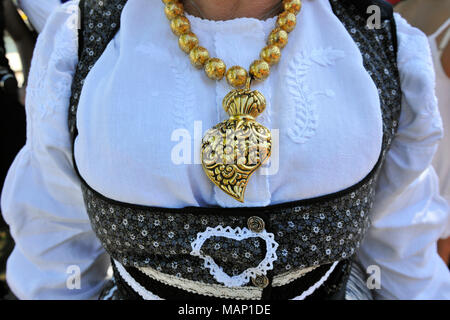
[[235, 148]]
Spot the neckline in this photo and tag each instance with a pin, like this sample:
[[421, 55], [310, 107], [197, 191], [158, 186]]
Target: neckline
[[240, 24]]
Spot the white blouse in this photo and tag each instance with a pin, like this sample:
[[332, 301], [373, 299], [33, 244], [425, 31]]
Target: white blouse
[[144, 109]]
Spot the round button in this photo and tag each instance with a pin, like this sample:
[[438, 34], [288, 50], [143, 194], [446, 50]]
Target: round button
[[260, 281], [255, 224]]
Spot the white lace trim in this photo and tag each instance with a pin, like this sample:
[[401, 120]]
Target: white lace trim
[[50, 78], [217, 290], [237, 234], [247, 293], [202, 288], [315, 286], [415, 61], [303, 98], [238, 24], [290, 276], [144, 293]]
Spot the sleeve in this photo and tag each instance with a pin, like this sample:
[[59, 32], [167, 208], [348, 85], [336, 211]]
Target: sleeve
[[56, 254], [38, 11], [409, 215]]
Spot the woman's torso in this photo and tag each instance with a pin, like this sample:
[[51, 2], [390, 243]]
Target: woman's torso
[[144, 109], [305, 234]]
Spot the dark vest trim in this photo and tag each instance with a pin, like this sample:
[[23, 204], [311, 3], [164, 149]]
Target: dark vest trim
[[331, 288], [386, 11]]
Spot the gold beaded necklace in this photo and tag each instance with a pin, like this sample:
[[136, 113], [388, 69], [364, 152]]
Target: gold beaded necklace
[[234, 149]]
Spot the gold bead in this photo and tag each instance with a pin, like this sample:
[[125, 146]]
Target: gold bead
[[259, 70], [198, 56], [180, 25], [236, 76], [215, 68], [187, 41], [271, 54], [173, 9], [278, 37], [286, 21], [293, 6]]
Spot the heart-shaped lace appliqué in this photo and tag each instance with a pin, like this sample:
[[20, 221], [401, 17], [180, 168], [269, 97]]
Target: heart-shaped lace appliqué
[[237, 234]]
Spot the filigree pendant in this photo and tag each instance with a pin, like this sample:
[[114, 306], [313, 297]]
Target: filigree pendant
[[235, 148]]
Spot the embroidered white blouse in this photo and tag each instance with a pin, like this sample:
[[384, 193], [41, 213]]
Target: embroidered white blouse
[[144, 109]]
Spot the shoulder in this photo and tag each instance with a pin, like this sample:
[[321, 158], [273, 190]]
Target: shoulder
[[414, 54], [410, 36], [62, 24], [417, 77], [53, 65]]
